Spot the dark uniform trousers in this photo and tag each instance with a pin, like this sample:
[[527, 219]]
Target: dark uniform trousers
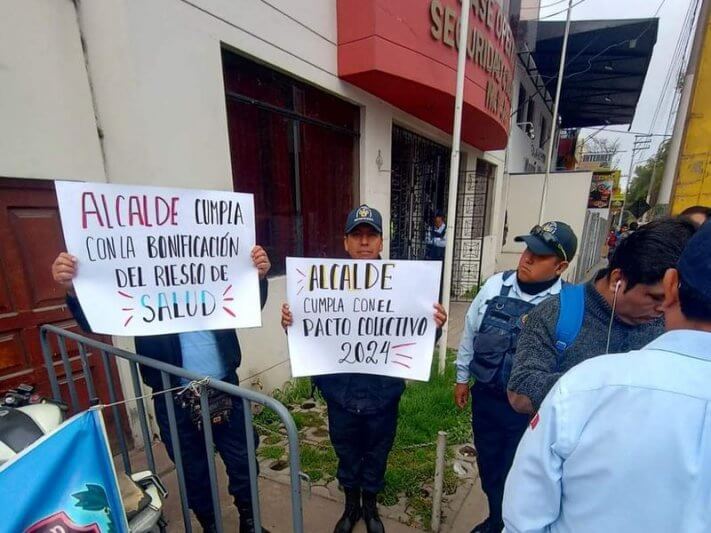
[[362, 443], [497, 431], [231, 443]]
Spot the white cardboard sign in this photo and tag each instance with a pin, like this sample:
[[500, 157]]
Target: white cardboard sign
[[369, 317], [157, 260]]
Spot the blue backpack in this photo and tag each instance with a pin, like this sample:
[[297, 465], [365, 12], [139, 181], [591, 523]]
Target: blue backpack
[[570, 317]]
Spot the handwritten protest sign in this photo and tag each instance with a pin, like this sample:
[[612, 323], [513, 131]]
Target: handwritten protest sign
[[370, 317], [155, 260]]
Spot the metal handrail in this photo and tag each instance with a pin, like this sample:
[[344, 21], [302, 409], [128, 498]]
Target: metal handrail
[[166, 371]]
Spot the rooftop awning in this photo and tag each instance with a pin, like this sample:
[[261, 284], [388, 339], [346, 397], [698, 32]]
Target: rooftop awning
[[606, 63]]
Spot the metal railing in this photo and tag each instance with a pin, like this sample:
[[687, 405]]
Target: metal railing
[[166, 371], [591, 243]]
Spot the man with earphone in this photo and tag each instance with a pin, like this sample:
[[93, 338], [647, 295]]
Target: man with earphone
[[620, 311], [622, 443]]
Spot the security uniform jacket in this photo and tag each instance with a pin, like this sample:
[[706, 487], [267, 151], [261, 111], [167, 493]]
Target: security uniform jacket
[[166, 348]]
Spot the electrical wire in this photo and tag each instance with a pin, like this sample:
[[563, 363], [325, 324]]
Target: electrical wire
[[562, 10], [680, 52], [546, 6]]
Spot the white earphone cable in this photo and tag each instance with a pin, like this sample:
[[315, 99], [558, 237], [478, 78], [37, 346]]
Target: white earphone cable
[[612, 317]]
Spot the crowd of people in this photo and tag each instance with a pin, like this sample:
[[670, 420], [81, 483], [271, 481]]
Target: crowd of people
[[568, 438]]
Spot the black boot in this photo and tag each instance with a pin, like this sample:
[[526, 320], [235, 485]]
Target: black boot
[[351, 513], [246, 519], [373, 524]]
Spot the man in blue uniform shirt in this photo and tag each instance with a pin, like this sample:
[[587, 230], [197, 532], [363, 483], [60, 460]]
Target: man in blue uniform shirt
[[623, 442], [362, 408], [487, 348], [215, 354]]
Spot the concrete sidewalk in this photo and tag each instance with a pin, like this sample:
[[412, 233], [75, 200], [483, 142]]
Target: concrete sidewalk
[[320, 513]]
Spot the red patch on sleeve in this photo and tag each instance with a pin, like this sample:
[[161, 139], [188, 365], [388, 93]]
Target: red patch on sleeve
[[534, 421]]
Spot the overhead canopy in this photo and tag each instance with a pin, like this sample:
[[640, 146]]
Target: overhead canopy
[[606, 63]]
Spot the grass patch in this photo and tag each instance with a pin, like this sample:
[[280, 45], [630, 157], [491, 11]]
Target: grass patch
[[319, 462], [271, 439], [271, 452], [305, 419], [425, 409]]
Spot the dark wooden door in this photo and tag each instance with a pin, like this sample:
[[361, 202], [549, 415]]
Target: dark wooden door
[[30, 239]]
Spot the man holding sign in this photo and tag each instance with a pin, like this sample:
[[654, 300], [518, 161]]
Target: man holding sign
[[362, 407], [215, 354], [177, 269]]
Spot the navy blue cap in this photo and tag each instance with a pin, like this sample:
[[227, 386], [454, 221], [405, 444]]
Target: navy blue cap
[[552, 238], [695, 263], [364, 215]]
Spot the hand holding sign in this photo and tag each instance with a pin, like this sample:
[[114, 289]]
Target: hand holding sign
[[287, 318], [372, 317]]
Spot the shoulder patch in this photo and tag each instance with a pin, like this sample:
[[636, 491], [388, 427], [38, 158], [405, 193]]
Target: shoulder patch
[[535, 420]]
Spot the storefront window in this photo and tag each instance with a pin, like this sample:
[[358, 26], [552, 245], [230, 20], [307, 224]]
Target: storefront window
[[295, 148]]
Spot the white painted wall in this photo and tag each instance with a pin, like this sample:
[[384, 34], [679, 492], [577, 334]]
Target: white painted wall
[[567, 202], [47, 127], [521, 146]]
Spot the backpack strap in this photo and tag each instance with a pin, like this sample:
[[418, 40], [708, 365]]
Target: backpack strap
[[570, 317], [506, 289]]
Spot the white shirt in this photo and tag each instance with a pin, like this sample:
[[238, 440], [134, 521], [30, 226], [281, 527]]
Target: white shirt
[[477, 309], [621, 444]]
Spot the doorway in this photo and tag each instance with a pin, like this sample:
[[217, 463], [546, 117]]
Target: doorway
[[419, 186]]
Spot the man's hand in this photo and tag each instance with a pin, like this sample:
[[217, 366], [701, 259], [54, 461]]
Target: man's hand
[[64, 270], [461, 395], [260, 259], [440, 315], [287, 319]]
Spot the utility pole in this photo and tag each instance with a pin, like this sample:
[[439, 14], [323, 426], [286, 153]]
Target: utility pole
[[554, 122], [454, 176], [641, 143]]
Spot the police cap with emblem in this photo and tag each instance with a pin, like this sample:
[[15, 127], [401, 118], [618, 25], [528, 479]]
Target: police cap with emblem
[[364, 215], [552, 238]]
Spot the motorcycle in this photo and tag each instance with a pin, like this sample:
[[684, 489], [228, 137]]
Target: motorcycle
[[26, 416]]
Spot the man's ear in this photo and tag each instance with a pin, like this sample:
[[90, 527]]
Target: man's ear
[[671, 288], [345, 242], [616, 281], [562, 267]]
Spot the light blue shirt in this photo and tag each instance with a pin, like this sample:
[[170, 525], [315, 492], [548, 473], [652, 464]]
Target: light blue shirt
[[476, 311], [201, 354], [622, 443]]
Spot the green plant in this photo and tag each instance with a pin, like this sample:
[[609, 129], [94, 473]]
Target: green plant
[[271, 452]]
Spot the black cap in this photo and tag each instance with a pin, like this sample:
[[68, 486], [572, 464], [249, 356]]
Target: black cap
[[552, 238], [364, 215], [695, 263]]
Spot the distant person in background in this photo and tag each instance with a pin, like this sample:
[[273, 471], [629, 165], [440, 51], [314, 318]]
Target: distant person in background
[[436, 239], [698, 214], [611, 243]]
